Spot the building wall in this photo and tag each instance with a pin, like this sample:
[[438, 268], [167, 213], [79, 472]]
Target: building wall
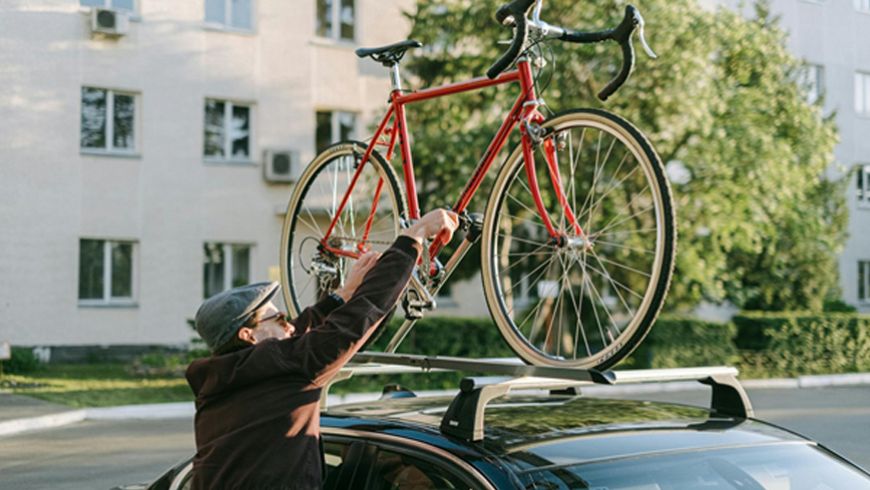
[[166, 197], [832, 33]]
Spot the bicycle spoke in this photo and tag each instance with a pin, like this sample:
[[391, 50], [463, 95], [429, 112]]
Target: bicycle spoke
[[617, 264], [625, 247], [613, 283], [611, 224]]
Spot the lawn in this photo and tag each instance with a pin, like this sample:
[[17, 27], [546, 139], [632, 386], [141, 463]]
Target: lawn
[[96, 385]]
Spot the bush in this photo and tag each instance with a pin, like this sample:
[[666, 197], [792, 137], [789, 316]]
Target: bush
[[22, 362], [685, 342]]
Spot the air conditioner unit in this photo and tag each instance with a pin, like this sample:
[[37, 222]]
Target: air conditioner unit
[[281, 165], [108, 22]]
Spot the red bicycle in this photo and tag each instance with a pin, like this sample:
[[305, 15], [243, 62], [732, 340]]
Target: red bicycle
[[577, 253]]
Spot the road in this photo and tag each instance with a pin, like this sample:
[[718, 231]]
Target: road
[[100, 454]]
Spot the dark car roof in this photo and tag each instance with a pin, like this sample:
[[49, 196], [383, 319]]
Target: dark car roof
[[530, 431]]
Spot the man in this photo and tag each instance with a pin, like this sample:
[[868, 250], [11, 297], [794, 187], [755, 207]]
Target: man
[[257, 398]]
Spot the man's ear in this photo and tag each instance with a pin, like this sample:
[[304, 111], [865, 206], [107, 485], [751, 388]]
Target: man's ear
[[247, 335]]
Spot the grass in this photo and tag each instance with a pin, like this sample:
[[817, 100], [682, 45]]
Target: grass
[[96, 385]]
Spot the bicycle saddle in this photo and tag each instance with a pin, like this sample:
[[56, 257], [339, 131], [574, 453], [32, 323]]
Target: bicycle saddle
[[390, 54]]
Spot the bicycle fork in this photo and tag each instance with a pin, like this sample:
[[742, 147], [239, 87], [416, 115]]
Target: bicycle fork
[[424, 295]]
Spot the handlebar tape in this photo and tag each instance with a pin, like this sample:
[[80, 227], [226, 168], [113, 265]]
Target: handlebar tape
[[622, 35], [517, 10]]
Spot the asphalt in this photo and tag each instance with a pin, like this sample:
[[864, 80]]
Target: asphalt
[[22, 413]]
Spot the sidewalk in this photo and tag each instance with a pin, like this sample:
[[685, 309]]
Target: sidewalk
[[22, 413]]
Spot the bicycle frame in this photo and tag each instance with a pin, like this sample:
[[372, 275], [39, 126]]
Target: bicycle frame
[[523, 112]]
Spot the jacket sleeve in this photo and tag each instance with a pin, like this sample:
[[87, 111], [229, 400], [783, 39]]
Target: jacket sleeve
[[313, 315], [323, 350]]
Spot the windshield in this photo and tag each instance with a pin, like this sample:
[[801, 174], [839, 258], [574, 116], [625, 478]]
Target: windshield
[[769, 467]]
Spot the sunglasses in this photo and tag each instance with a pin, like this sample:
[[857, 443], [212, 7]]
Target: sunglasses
[[278, 316]]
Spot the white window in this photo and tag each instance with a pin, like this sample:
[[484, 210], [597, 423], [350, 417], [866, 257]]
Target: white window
[[108, 120], [862, 179], [862, 93], [336, 19], [864, 280], [862, 5], [227, 131], [814, 82], [234, 14], [107, 271], [225, 266], [128, 5], [333, 126]]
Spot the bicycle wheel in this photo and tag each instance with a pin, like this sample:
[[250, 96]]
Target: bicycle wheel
[[589, 300], [309, 270]]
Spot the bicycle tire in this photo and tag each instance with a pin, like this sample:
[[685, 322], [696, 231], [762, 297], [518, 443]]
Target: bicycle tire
[[305, 202], [581, 263]]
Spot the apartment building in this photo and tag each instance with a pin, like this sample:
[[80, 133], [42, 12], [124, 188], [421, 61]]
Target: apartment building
[[146, 147], [833, 37]]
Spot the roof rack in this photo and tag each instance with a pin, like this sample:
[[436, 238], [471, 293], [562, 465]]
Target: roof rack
[[464, 417]]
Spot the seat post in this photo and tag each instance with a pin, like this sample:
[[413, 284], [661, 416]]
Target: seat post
[[395, 77]]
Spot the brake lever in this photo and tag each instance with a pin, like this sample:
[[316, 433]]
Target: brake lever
[[640, 24]]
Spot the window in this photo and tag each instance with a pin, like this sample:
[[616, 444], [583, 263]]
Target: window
[[108, 120], [128, 5], [862, 93], [225, 266], [862, 179], [864, 280], [814, 82], [235, 14], [862, 5], [227, 130], [397, 470], [332, 127], [335, 19], [106, 271]]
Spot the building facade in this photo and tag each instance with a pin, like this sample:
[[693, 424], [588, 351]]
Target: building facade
[[137, 150], [142, 161], [833, 36]]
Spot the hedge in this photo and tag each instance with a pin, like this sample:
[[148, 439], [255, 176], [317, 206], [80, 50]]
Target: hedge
[[795, 343], [672, 342]]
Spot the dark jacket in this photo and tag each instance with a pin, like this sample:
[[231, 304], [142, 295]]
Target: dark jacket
[[257, 409]]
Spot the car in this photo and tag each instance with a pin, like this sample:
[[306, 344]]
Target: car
[[494, 434]]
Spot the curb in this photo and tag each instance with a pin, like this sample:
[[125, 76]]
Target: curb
[[166, 411]]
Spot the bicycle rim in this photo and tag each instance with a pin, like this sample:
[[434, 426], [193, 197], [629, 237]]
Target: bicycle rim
[[590, 300], [308, 270]]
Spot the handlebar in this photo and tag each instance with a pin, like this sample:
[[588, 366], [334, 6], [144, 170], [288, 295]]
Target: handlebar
[[516, 12], [512, 13]]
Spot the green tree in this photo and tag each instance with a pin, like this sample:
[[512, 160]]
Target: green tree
[[759, 223]]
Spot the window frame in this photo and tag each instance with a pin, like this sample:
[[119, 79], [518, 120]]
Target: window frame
[[227, 25], [227, 250], [861, 6], [861, 84], [110, 149], [107, 4], [335, 126], [863, 266], [229, 104], [108, 299], [814, 78], [335, 18], [862, 176]]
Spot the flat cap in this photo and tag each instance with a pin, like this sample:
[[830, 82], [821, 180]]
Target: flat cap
[[221, 316]]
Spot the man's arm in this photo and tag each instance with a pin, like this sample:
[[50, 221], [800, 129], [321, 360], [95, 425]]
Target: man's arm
[[313, 315], [321, 352]]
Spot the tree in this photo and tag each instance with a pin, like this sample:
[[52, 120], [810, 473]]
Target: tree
[[759, 223]]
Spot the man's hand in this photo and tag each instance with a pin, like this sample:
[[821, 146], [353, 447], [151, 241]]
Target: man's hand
[[439, 222], [357, 271]]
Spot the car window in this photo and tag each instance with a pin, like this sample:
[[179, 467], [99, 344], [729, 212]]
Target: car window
[[335, 455], [770, 467], [397, 470], [184, 479]]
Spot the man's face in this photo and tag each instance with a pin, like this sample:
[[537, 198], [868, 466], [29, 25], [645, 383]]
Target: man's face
[[272, 324]]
